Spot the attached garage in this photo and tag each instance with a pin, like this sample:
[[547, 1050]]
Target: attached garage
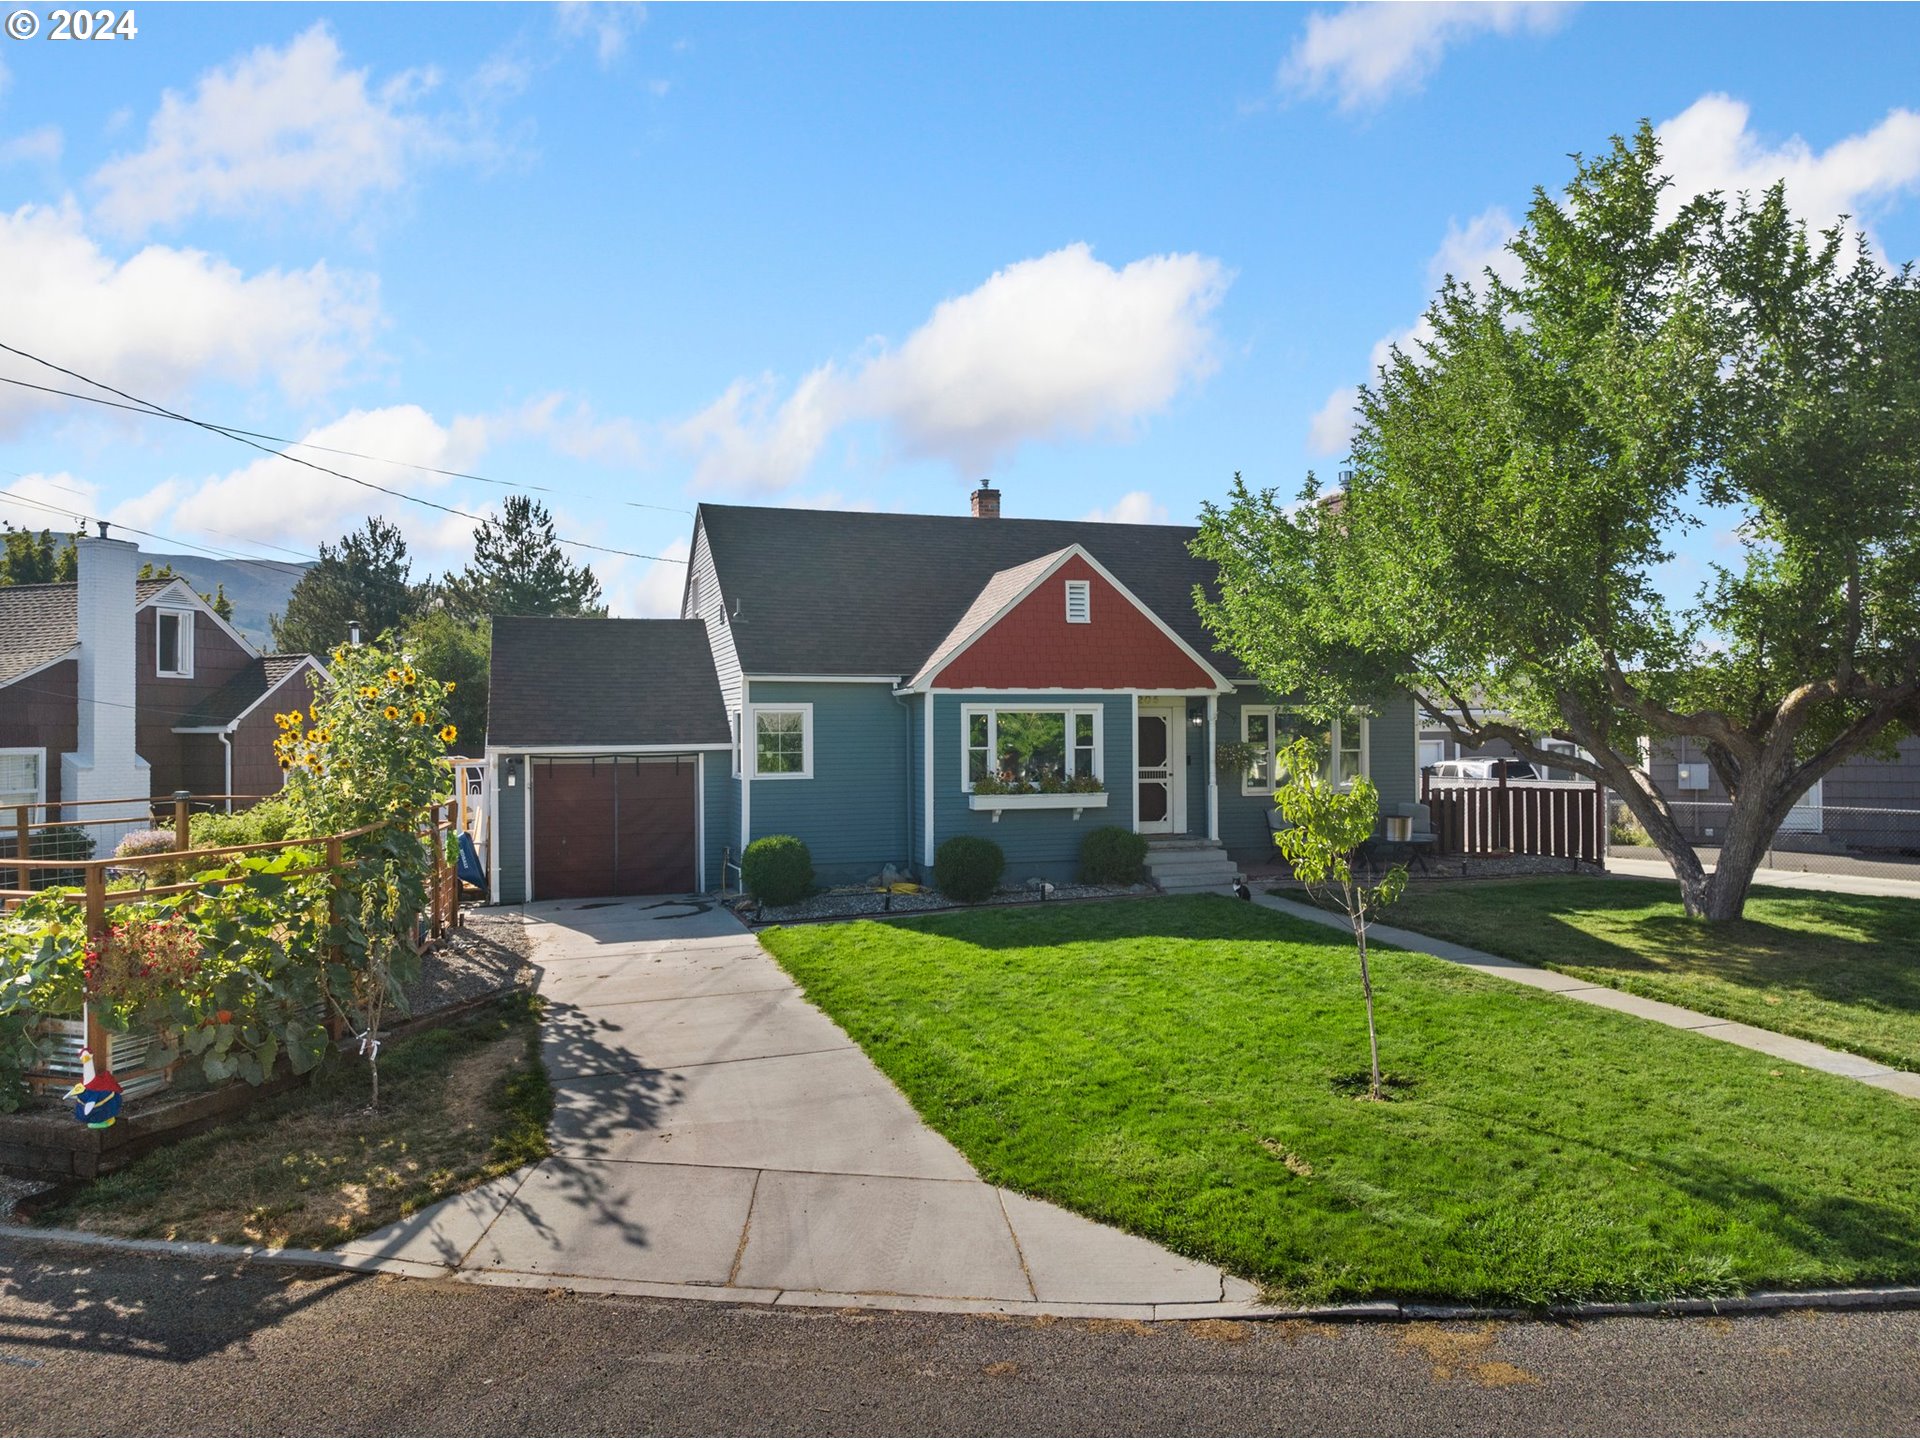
[[609, 749]]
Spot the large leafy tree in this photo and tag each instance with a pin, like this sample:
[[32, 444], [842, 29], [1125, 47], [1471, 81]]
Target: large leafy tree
[[1520, 479], [366, 577], [454, 649], [30, 558], [518, 568]]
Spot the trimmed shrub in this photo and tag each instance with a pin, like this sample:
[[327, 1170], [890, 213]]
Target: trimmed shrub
[[777, 869], [1113, 856], [967, 868]]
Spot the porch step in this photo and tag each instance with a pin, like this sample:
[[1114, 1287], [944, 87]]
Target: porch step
[[1189, 867]]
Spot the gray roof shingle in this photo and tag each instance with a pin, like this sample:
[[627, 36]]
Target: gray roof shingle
[[603, 682], [39, 623], [237, 696], [824, 592]]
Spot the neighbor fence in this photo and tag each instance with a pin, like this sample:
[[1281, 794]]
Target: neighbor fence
[[87, 884], [1879, 842], [1497, 818]]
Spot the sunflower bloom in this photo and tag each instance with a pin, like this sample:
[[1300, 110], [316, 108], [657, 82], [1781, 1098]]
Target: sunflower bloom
[[392, 712]]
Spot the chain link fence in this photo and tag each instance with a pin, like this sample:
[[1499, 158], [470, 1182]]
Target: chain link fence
[[1816, 839]]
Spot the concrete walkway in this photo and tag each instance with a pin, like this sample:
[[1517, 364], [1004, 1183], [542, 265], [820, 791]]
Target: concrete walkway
[[716, 1136], [1568, 987], [1639, 867]]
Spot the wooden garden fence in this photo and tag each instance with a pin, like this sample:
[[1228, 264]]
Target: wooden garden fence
[[443, 888], [1494, 818]]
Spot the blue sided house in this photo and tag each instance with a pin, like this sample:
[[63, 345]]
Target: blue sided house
[[877, 683]]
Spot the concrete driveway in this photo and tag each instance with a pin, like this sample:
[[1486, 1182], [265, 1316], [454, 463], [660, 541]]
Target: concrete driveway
[[716, 1135]]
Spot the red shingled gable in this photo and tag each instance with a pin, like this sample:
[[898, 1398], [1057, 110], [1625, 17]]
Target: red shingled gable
[[1032, 647]]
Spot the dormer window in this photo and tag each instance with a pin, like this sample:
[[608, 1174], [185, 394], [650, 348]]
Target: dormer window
[[1079, 602], [173, 643]]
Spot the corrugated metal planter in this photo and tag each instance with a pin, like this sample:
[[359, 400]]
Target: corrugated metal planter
[[143, 1061]]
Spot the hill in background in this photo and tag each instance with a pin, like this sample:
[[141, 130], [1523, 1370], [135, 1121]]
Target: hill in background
[[257, 588]]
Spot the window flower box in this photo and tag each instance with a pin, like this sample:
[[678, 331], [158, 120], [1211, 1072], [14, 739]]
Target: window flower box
[[1076, 801]]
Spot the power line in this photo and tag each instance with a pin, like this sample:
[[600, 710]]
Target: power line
[[236, 431], [213, 552], [236, 557], [208, 425]]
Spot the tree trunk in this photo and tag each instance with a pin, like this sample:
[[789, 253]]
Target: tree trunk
[[1366, 988]]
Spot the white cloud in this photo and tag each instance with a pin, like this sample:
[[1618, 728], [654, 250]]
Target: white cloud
[[608, 26], [1332, 424], [276, 501], [1050, 347], [278, 127], [658, 590], [569, 427], [1364, 53], [1710, 146], [42, 146], [1136, 507], [1468, 251], [164, 318], [57, 502]]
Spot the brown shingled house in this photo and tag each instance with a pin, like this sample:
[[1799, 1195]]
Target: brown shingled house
[[114, 687]]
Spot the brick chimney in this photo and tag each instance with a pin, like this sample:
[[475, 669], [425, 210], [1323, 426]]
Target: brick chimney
[[104, 765], [986, 502]]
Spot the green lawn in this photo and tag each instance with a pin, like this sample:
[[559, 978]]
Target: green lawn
[[313, 1167], [1178, 1067], [1843, 970]]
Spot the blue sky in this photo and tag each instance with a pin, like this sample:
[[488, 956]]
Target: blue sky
[[826, 256]]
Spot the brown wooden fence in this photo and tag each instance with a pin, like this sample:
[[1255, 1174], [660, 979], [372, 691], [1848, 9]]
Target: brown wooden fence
[[443, 888], [1527, 817]]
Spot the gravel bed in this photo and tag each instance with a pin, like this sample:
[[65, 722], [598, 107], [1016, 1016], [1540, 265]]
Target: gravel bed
[[859, 902], [489, 951], [13, 1190]]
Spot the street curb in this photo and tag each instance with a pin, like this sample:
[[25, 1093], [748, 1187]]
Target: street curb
[[1887, 1297]]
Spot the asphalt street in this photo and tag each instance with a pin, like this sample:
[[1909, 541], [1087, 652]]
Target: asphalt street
[[99, 1344]]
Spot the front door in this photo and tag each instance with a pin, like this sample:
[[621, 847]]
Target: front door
[[1160, 747]]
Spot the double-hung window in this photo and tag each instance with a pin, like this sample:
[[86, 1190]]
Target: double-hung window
[[173, 643], [23, 780], [1269, 729], [1031, 747], [782, 741]]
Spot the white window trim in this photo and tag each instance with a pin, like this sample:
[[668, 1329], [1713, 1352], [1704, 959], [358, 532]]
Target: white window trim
[[992, 712], [738, 729], [39, 752], [752, 733], [1084, 589], [1336, 731], [185, 630]]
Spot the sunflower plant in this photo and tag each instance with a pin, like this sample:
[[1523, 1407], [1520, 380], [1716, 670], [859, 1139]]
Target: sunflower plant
[[365, 755]]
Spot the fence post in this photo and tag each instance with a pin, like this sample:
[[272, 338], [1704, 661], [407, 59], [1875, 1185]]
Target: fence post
[[182, 820], [97, 1039], [438, 908], [335, 1027], [23, 877]]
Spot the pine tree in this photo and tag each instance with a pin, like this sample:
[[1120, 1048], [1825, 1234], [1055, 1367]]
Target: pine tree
[[366, 577], [518, 569]]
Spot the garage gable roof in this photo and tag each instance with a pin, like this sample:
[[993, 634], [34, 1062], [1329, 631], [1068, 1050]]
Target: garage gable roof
[[602, 682]]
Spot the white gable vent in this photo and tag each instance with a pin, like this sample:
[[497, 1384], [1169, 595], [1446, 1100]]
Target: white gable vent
[[1079, 602]]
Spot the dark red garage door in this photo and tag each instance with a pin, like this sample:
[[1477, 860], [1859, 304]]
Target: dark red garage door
[[613, 825]]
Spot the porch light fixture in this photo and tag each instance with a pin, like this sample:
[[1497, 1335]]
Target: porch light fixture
[[1196, 714]]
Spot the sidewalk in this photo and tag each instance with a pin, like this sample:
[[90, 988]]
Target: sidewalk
[[716, 1136], [1658, 869], [1567, 987]]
